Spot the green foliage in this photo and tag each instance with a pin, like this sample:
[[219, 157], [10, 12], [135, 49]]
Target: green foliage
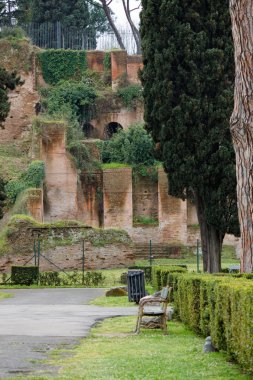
[[73, 14], [2, 196], [59, 64], [12, 33], [188, 81], [160, 275], [220, 306], [71, 98], [133, 146], [91, 279], [130, 94], [32, 177], [24, 275], [145, 220], [7, 81], [107, 61]]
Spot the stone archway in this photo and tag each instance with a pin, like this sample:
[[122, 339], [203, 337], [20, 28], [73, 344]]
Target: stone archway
[[111, 128]]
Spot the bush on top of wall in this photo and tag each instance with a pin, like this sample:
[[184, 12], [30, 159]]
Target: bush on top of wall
[[60, 64], [220, 306]]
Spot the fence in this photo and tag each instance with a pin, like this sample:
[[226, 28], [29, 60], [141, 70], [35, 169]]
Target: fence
[[57, 36]]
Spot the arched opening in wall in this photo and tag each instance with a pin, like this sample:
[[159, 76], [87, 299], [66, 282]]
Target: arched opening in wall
[[89, 131], [111, 128]]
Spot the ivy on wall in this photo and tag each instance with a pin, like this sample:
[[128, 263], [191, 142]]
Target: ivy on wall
[[59, 64]]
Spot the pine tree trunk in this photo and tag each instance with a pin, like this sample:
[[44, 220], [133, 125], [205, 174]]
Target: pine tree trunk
[[241, 123], [211, 240], [112, 24]]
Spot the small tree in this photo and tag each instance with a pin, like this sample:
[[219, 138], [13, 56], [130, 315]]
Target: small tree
[[188, 93], [131, 146]]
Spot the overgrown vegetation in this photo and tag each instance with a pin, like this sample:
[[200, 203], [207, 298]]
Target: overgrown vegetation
[[133, 146], [130, 94], [7, 81], [60, 64], [32, 177]]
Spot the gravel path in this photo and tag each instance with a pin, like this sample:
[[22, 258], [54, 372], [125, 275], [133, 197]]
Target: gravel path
[[36, 321]]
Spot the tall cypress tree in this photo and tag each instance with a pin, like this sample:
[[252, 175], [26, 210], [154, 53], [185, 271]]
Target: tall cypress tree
[[188, 93]]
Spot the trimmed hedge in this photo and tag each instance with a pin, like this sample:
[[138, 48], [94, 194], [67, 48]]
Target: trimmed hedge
[[220, 306], [156, 272], [161, 274], [24, 275]]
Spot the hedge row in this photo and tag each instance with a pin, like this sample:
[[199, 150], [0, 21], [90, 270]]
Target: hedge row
[[161, 275], [220, 306], [155, 279]]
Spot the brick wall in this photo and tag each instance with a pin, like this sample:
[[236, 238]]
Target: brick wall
[[134, 64], [172, 213], [117, 190], [92, 190], [61, 175], [95, 60], [145, 197]]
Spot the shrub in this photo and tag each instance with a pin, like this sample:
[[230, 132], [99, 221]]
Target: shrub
[[132, 146], [12, 32], [32, 177], [130, 94], [24, 275], [79, 96], [161, 275]]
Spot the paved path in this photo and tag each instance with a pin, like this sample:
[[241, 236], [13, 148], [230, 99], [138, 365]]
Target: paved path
[[36, 321]]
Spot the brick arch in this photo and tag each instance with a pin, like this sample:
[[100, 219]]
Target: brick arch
[[89, 130], [111, 128]]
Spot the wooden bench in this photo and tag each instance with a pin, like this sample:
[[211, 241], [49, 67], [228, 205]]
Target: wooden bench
[[152, 306]]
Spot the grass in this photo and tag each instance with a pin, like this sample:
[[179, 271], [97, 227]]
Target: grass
[[5, 295], [115, 165], [113, 352], [145, 220], [228, 258], [112, 301]]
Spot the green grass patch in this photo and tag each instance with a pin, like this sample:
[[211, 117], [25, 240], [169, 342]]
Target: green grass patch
[[145, 221], [115, 165], [5, 295], [112, 301], [113, 352]]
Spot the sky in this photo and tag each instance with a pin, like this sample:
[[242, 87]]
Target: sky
[[118, 10]]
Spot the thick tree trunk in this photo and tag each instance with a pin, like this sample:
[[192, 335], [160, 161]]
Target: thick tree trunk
[[211, 240], [241, 123]]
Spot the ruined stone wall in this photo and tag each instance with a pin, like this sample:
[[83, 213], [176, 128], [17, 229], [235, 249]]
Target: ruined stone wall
[[35, 204], [172, 213], [92, 195], [145, 197], [134, 65], [95, 60], [61, 175], [63, 247], [117, 192]]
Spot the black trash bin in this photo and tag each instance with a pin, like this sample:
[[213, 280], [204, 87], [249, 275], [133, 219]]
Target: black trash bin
[[135, 285]]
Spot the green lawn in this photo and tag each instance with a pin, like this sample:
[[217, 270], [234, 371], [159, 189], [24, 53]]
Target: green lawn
[[113, 352]]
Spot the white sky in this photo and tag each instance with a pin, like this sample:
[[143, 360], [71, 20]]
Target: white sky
[[119, 13]]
